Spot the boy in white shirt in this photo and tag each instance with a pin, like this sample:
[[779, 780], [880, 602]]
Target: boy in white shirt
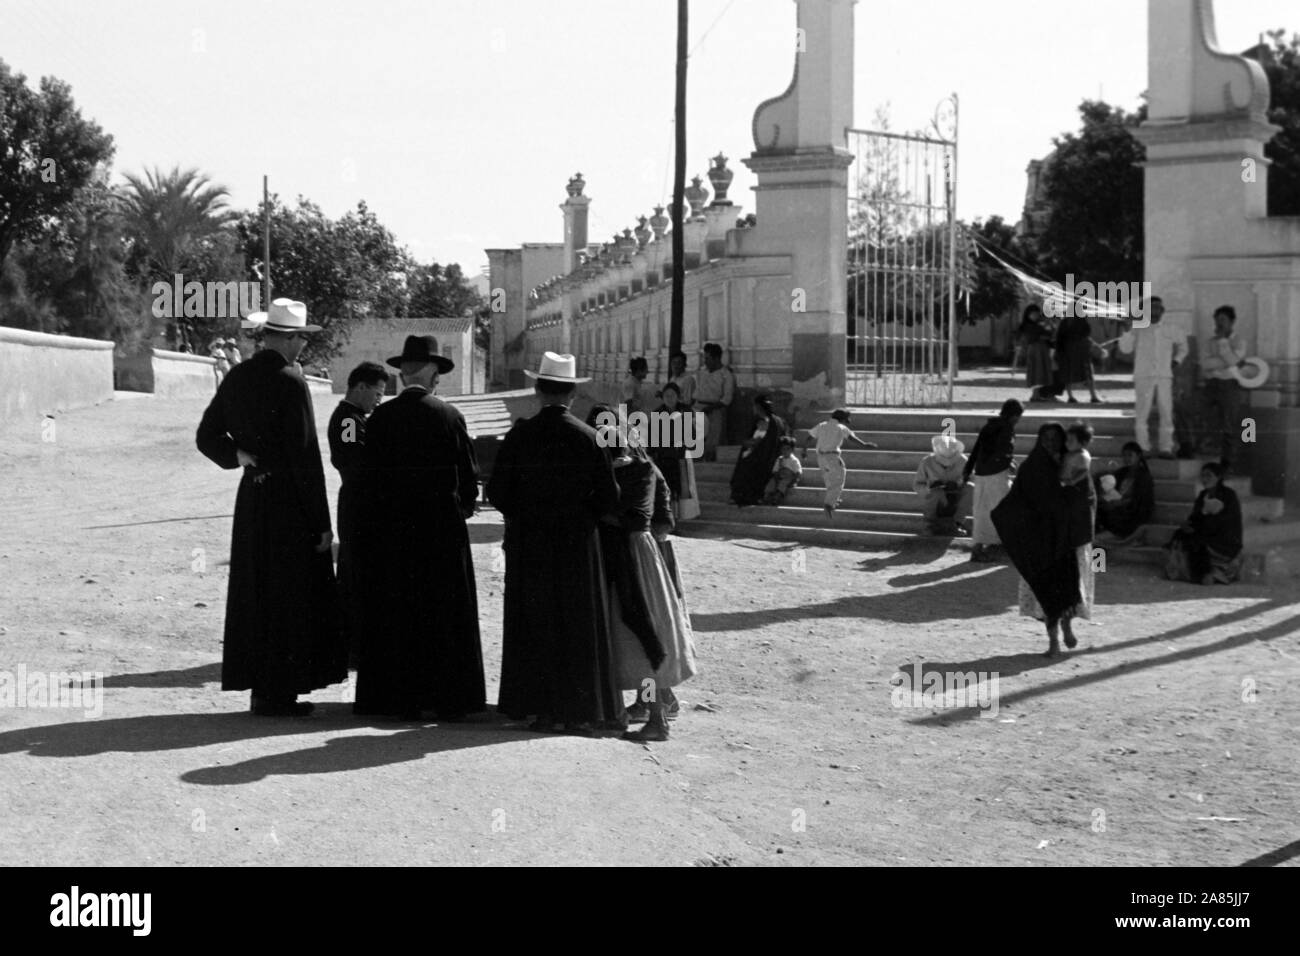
[[1156, 350], [829, 437]]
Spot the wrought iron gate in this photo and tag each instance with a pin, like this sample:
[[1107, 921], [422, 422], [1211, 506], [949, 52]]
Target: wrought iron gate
[[902, 245]]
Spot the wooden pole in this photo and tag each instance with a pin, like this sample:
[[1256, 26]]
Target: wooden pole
[[679, 189], [266, 244]]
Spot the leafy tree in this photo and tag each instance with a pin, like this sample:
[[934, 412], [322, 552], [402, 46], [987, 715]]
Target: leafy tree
[[992, 289], [1282, 65], [1093, 196], [172, 219], [47, 153], [441, 291], [343, 270]]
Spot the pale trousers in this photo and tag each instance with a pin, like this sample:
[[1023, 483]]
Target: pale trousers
[[833, 474], [1162, 391]]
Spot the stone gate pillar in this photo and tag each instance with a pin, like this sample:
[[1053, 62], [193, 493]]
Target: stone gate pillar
[[801, 162]]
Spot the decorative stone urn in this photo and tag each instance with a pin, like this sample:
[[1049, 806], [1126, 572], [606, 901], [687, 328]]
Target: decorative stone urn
[[576, 185], [642, 232], [697, 196], [659, 223], [720, 176]]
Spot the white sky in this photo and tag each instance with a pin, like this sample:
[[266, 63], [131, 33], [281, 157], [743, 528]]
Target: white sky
[[459, 121]]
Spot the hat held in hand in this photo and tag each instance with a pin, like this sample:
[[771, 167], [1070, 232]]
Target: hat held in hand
[[422, 349]]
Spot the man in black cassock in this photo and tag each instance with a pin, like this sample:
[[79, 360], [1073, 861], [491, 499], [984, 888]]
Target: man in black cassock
[[419, 483], [282, 636], [552, 481], [347, 438]]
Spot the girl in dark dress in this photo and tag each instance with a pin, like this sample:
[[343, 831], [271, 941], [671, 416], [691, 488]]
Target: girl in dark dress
[[1037, 336], [1074, 356], [758, 454], [1208, 547]]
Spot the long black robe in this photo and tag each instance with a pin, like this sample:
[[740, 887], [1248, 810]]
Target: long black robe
[[347, 439], [282, 634], [552, 481], [1034, 523], [419, 482], [752, 471], [1213, 539]]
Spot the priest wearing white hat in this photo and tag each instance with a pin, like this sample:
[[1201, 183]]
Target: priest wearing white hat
[[552, 481], [282, 634]]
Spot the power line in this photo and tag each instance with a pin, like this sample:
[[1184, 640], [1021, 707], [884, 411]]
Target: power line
[[710, 29]]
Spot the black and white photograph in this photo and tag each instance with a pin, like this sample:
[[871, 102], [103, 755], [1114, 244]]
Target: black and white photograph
[[678, 433]]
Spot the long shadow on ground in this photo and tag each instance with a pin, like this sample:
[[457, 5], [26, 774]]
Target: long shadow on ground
[[356, 752]]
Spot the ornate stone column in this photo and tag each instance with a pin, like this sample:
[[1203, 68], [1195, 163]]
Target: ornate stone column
[[801, 161]]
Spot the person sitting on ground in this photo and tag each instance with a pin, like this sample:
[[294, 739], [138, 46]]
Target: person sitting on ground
[[1130, 500], [749, 479], [940, 484], [829, 438], [1208, 547], [786, 472]]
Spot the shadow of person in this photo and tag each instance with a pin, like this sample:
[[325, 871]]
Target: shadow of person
[[924, 550], [964, 569], [196, 676], [149, 733], [1003, 665], [355, 752]]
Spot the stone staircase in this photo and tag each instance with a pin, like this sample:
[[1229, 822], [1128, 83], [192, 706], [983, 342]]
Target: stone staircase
[[880, 509]]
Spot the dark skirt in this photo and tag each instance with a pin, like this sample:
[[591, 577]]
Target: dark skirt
[[1038, 368]]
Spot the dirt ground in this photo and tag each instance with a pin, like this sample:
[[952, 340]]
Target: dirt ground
[[1169, 737]]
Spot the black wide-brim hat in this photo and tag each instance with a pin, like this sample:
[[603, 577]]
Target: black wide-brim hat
[[422, 348]]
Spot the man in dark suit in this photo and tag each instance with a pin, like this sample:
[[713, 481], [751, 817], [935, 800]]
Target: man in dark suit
[[419, 479], [347, 438], [282, 636], [552, 482]]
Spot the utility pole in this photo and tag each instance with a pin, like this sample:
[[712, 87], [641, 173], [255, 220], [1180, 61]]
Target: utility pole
[[266, 244], [679, 189]]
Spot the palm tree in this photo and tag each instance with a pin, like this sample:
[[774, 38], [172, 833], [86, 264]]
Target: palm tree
[[169, 217]]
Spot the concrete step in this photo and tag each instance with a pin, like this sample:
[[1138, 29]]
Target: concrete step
[[858, 519], [1106, 419], [1110, 446]]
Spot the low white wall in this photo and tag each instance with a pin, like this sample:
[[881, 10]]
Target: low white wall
[[183, 375], [42, 374]]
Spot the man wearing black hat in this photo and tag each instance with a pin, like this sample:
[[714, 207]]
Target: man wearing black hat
[[419, 482], [282, 636]]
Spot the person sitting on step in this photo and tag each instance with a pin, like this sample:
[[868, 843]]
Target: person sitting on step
[[940, 483], [786, 472]]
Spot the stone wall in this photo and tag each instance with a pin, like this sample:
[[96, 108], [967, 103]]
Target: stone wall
[[183, 375], [44, 374]]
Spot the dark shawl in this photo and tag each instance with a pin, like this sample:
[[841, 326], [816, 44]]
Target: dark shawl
[[282, 633], [638, 507], [995, 447], [1136, 505], [1222, 533], [750, 477], [552, 481], [1033, 523], [419, 483]]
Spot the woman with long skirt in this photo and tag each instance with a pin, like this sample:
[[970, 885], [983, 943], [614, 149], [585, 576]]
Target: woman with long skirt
[[1036, 333], [654, 648], [1033, 523], [758, 454]]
